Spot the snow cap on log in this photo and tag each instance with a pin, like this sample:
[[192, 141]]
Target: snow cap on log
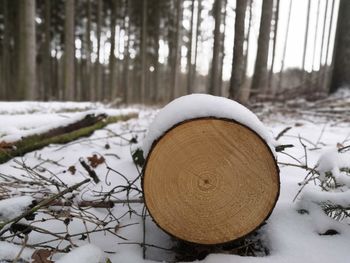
[[210, 176], [203, 105]]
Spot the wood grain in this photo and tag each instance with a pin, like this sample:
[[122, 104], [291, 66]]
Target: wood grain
[[210, 181]]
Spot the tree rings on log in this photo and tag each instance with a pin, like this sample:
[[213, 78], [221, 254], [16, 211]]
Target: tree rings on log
[[210, 181]]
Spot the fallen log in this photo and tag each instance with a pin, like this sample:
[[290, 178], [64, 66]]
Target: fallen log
[[210, 180], [60, 135]]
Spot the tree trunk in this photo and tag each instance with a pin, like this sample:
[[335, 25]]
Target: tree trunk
[[341, 76], [214, 72], [27, 74], [89, 93], [322, 64], [199, 12], [97, 91], [112, 60], [47, 53], [280, 76], [189, 54], [69, 51], [126, 93], [176, 50], [305, 75], [327, 70], [238, 55], [246, 52], [275, 30], [144, 69], [6, 65], [260, 72], [222, 50]]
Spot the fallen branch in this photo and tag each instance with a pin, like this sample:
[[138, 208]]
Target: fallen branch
[[61, 135], [43, 203]]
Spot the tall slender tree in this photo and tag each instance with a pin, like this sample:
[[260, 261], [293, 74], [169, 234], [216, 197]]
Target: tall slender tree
[[112, 59], [274, 44], [97, 92], [69, 51], [238, 52], [27, 74], [260, 77], [189, 55], [341, 56], [214, 72], [143, 51]]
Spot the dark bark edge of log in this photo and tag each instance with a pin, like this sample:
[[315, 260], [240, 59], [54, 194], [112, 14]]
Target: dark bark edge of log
[[211, 118]]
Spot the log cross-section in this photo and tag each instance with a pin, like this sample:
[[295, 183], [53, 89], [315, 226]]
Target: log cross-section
[[210, 181]]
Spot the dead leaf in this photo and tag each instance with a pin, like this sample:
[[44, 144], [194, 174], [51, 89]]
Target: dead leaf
[[339, 145], [41, 256], [72, 169], [6, 145], [95, 160]]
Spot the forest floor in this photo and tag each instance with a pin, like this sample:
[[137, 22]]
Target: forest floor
[[109, 214]]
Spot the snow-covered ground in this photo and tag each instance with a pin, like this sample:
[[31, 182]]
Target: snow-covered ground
[[290, 236]]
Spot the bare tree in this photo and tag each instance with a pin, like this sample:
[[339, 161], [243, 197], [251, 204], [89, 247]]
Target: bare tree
[[275, 30], [27, 74], [189, 55], [305, 42], [69, 50], [280, 76], [97, 92], [198, 23], [176, 50], [325, 77], [143, 51], [341, 56], [238, 55], [214, 72], [322, 69], [112, 60], [260, 72]]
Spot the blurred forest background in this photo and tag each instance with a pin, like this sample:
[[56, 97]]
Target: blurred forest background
[[151, 51]]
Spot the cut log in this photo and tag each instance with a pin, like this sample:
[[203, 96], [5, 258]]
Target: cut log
[[210, 181]]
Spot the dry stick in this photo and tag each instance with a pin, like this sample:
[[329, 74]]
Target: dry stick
[[282, 133], [22, 249], [90, 171], [42, 204]]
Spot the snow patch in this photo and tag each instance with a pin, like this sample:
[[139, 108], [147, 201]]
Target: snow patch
[[13, 207], [203, 105], [87, 254], [10, 251]]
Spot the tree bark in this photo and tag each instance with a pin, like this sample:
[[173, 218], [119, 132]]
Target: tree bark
[[280, 75], [214, 88], [47, 53], [89, 87], [189, 54], [176, 49], [112, 60], [238, 55], [27, 79], [305, 44], [97, 91], [328, 69], [341, 61], [144, 69], [198, 23], [69, 51], [275, 30], [260, 72]]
